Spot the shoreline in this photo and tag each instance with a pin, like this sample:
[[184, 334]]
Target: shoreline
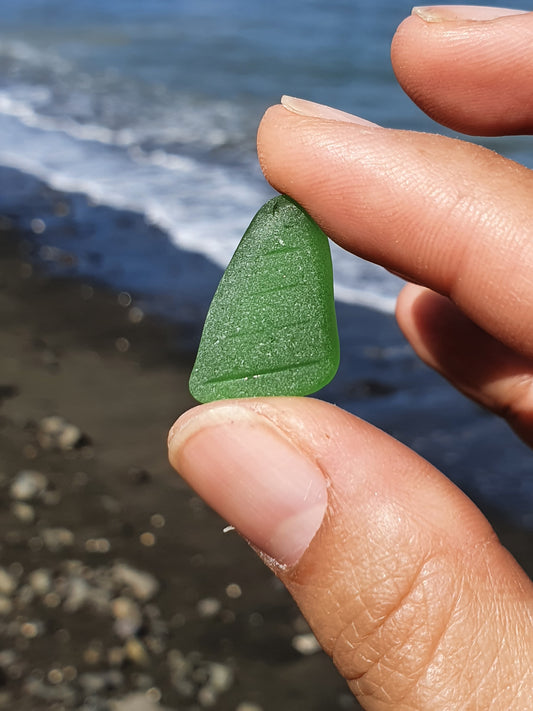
[[200, 620]]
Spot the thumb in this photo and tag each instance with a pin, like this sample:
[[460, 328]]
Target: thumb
[[400, 576]]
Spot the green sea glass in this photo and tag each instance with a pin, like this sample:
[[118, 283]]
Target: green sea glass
[[271, 327]]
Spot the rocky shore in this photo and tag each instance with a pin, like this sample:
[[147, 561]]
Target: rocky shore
[[119, 590]]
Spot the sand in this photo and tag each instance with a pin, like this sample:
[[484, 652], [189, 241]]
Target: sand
[[118, 588], [216, 629]]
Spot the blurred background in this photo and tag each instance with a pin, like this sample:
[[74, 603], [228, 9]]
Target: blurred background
[[128, 174]]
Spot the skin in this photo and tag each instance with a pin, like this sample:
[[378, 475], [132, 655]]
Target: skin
[[400, 576]]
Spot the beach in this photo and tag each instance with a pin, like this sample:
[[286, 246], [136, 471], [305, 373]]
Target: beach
[[117, 585], [128, 173], [118, 588]]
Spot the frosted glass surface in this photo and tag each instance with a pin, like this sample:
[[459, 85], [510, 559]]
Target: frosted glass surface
[[271, 327]]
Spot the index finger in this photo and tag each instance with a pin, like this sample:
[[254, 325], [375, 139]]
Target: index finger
[[450, 215]]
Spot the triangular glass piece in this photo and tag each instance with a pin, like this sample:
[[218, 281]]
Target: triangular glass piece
[[271, 327]]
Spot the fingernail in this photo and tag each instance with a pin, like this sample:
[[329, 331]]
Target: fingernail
[[313, 110], [251, 473], [443, 13]]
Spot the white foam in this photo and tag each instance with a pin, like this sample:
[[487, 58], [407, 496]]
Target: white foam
[[172, 191]]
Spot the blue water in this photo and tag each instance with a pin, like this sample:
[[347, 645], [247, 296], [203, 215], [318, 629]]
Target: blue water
[[152, 106]]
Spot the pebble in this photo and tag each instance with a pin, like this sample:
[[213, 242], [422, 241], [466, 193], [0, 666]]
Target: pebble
[[40, 581], [208, 607], [248, 706], [136, 652], [306, 644], [128, 617], [220, 679], [32, 629], [78, 593], [24, 512], [143, 585], [56, 433], [137, 702], [8, 582], [28, 485], [55, 539], [6, 606], [233, 591]]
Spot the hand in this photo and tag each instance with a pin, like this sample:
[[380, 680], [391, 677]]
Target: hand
[[400, 576]]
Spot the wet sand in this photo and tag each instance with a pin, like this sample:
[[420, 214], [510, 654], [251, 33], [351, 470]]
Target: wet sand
[[199, 623]]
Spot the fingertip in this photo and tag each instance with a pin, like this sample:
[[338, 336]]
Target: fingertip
[[482, 64]]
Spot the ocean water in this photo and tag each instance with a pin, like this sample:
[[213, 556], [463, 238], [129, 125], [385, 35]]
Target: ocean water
[[152, 107]]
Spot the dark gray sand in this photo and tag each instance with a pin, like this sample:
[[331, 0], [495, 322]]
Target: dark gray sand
[[118, 589]]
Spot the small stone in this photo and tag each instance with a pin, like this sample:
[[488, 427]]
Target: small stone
[[40, 581], [55, 539], [221, 677], [157, 520], [52, 600], [28, 485], [135, 314], [6, 606], [208, 607], [97, 545], [32, 629], [128, 617], [56, 433], [8, 582], [77, 593], [248, 706], [24, 512], [55, 676], [306, 644], [233, 591], [136, 652], [147, 539], [143, 585]]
